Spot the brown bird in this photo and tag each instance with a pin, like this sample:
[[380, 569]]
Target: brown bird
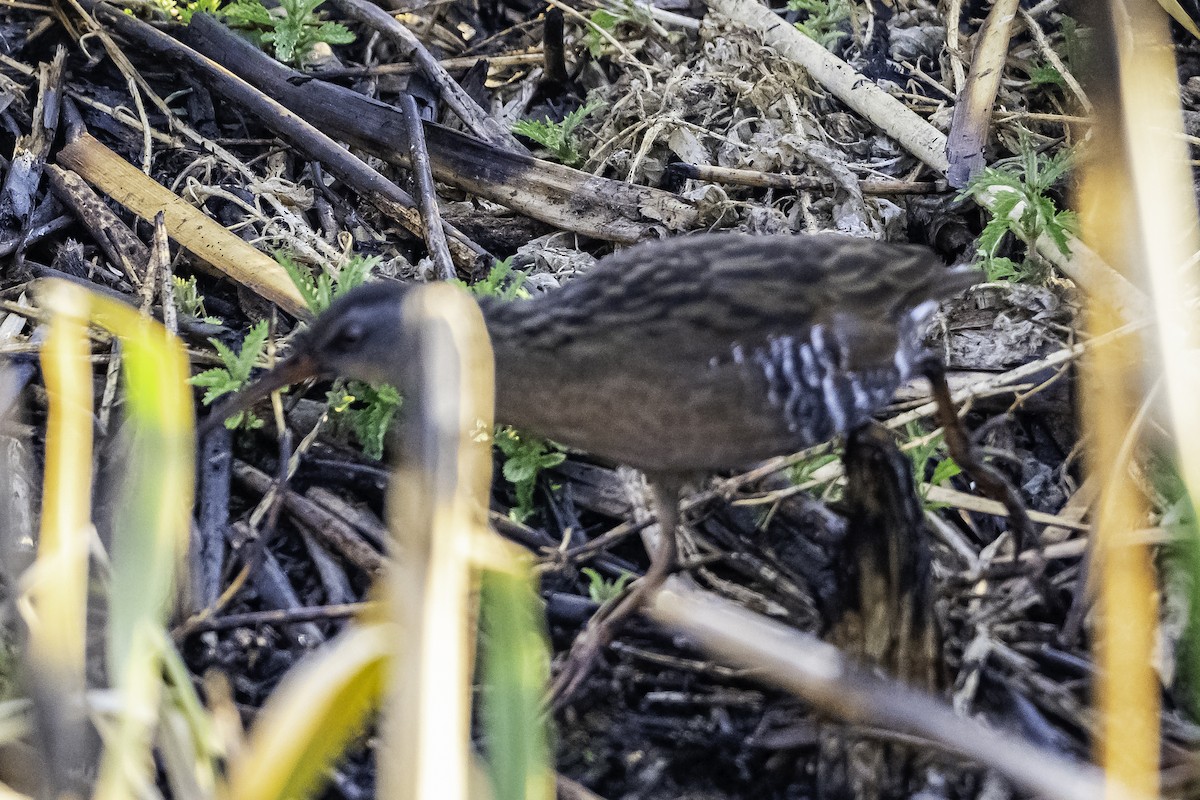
[[677, 357]]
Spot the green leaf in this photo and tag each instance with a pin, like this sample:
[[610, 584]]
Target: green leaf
[[1001, 269], [199, 7], [249, 12], [333, 33], [217, 376], [1016, 193], [501, 282], [285, 38], [1076, 41], [300, 10], [596, 44], [525, 459], [921, 455], [367, 411], [803, 471], [338, 398], [321, 290], [252, 350], [605, 19], [354, 274], [1065, 224], [558, 137], [544, 132], [294, 32], [1045, 75], [824, 20], [302, 279], [220, 381], [515, 670], [519, 471], [944, 471], [188, 299], [227, 356], [574, 119], [601, 590], [372, 421]]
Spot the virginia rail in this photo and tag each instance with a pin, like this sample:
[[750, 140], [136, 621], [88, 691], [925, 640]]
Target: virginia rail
[[678, 357]]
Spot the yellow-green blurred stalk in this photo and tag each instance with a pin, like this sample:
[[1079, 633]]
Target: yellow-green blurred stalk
[[152, 518], [54, 598]]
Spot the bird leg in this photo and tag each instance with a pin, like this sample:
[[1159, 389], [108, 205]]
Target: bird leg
[[606, 622], [987, 478]]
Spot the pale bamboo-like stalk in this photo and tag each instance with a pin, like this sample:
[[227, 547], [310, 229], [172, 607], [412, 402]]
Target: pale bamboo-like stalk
[[1166, 206], [1132, 213], [437, 507]]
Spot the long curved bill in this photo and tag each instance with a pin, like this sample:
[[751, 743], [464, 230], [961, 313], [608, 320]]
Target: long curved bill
[[292, 370]]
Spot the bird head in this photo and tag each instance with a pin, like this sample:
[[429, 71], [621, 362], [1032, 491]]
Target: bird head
[[359, 336]]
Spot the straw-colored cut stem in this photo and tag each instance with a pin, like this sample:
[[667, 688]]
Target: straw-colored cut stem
[[437, 505]]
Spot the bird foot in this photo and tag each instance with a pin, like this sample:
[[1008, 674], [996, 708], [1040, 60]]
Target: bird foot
[[989, 480], [607, 621]]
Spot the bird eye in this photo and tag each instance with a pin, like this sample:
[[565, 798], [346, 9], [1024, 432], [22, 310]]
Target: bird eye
[[350, 335]]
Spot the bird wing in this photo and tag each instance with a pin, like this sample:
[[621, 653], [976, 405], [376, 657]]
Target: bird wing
[[726, 288]]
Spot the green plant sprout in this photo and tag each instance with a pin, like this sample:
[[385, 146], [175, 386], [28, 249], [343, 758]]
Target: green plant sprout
[[921, 455], [199, 7], [189, 301], [1072, 50], [824, 19], [1016, 193], [11, 665], [805, 472], [1180, 563], [1076, 43], [370, 420], [558, 137], [320, 290], [601, 590], [293, 33], [234, 373], [524, 460], [502, 282], [607, 20], [183, 12], [1045, 74], [602, 20]]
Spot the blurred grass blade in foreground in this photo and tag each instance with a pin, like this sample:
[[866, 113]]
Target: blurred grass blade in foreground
[[1181, 15], [436, 501], [315, 711], [516, 663], [53, 603], [152, 514], [1137, 208], [438, 515]]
